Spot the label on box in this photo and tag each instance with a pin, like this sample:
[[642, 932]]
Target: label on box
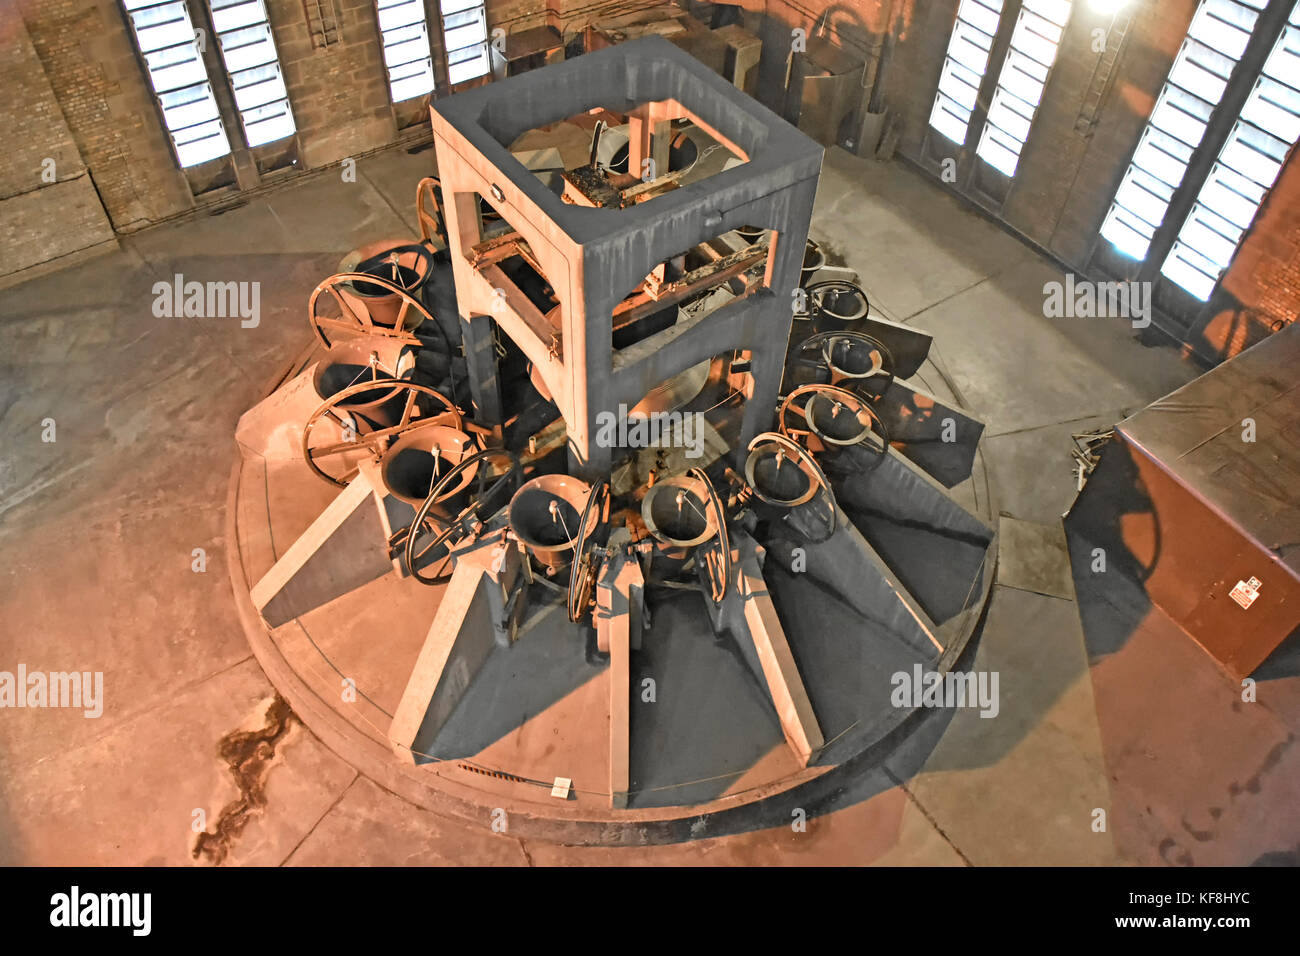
[[1245, 592]]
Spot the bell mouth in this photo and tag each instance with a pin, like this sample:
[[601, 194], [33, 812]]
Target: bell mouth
[[423, 457], [853, 359], [402, 276], [836, 422], [778, 476], [545, 513], [676, 511], [347, 364], [682, 152], [781, 479], [844, 305]]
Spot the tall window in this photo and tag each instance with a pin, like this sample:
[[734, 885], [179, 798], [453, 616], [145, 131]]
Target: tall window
[[1215, 42], [964, 67], [405, 34], [1245, 171], [165, 38], [464, 31], [249, 54], [1034, 43]]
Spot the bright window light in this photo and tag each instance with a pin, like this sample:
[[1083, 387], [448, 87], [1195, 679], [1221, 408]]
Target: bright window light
[[1020, 84], [1247, 168], [464, 32], [164, 36], [248, 50], [964, 67], [1215, 42], [405, 34]]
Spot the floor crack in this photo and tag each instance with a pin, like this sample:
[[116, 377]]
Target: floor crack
[[248, 754]]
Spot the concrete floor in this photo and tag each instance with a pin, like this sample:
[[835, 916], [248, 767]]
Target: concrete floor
[[98, 530]]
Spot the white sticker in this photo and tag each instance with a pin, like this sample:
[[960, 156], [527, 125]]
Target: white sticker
[[561, 788], [1245, 592]]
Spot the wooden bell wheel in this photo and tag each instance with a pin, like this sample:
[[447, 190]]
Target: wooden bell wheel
[[585, 567], [497, 476], [352, 320], [365, 427], [717, 559], [428, 211], [800, 458], [816, 410]]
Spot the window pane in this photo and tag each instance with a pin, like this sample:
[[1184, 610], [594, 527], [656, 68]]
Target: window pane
[[1248, 166], [248, 51], [411, 87], [1126, 234], [1216, 39], [405, 34], [236, 15], [400, 15], [959, 83], [464, 33], [1034, 44], [964, 67], [469, 69], [950, 119]]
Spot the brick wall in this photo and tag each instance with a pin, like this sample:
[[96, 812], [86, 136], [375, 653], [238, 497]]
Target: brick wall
[[78, 94], [48, 205], [86, 50], [339, 93], [1261, 290]]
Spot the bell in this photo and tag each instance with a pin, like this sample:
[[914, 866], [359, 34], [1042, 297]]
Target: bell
[[676, 511], [544, 515], [419, 459]]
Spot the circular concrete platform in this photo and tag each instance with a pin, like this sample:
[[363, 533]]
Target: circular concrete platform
[[707, 751]]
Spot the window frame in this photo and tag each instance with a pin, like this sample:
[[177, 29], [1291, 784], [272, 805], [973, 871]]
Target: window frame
[[217, 134]]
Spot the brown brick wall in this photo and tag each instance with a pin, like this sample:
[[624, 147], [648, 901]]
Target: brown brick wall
[[89, 107], [339, 93], [1261, 289], [86, 49], [33, 124], [48, 205]]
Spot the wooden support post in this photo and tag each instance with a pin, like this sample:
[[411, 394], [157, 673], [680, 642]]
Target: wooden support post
[[784, 683], [344, 548], [472, 619], [481, 359], [620, 717], [618, 630]]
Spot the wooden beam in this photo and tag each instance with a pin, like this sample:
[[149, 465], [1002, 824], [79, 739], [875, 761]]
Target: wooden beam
[[468, 625], [344, 548], [618, 624], [711, 274], [784, 683]]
